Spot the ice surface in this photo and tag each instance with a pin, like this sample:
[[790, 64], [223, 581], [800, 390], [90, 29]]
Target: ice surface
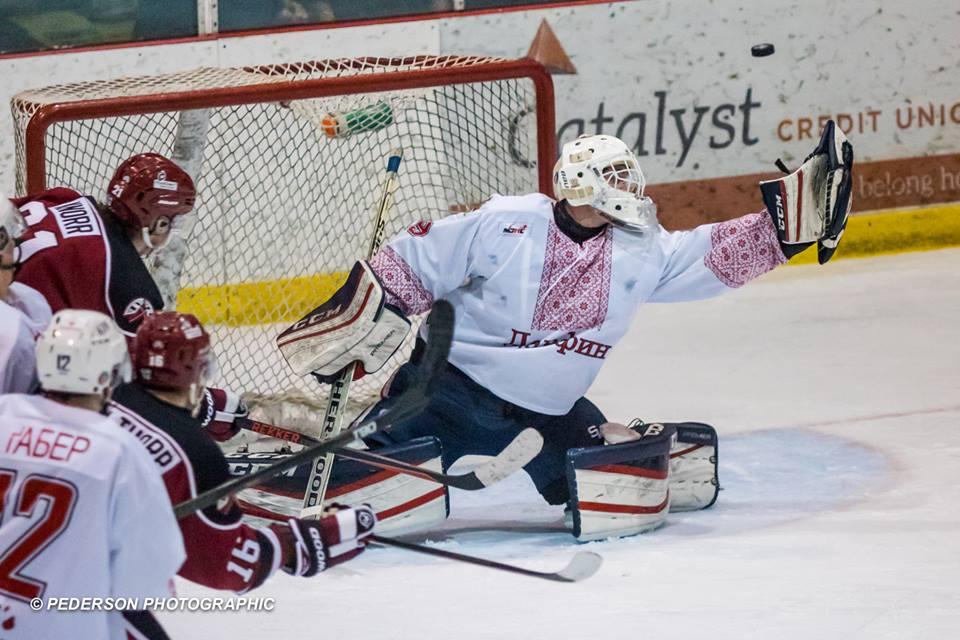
[[836, 392]]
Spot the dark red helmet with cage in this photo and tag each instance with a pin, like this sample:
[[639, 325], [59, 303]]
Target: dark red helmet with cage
[[172, 351], [148, 186]]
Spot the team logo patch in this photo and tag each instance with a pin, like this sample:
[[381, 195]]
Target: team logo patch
[[137, 310], [514, 230], [419, 229]]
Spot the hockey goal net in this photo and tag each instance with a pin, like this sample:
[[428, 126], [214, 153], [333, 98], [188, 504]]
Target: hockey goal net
[[289, 162]]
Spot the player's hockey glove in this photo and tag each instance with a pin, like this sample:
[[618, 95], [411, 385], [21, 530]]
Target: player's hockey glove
[[811, 204], [222, 413], [311, 546]]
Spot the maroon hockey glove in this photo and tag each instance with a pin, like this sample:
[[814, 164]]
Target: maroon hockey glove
[[311, 546], [222, 413]]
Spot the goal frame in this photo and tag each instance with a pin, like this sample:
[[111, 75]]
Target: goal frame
[[47, 115]]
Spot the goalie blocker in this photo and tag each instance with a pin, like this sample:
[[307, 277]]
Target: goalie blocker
[[629, 488], [355, 325]]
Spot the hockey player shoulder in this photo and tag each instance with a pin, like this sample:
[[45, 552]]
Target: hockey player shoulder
[[513, 216], [529, 203]]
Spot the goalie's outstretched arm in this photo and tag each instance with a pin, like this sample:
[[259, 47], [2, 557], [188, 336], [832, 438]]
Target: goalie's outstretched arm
[[805, 207]]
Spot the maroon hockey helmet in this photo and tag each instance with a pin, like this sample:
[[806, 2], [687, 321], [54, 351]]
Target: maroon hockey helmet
[[148, 186], [172, 352]]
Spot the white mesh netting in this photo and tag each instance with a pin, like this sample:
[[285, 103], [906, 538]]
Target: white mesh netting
[[286, 193]]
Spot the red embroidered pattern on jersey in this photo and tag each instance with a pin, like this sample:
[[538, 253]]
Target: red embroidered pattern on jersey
[[743, 249], [575, 283], [401, 284]]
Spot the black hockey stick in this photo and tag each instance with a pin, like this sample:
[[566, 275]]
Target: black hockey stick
[[408, 404], [524, 448], [583, 565]]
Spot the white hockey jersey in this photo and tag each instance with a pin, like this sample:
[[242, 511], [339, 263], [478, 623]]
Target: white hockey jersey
[[23, 316], [536, 312], [84, 514]]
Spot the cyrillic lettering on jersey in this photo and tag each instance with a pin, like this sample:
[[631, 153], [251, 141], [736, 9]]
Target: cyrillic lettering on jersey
[[76, 218], [47, 443], [570, 343]]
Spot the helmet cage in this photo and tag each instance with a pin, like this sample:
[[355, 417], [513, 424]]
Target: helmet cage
[[601, 171], [624, 175]]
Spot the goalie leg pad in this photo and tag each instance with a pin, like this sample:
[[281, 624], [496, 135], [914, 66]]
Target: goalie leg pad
[[353, 326], [693, 467], [403, 503], [619, 490]]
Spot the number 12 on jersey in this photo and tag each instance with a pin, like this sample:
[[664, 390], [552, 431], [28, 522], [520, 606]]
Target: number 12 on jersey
[[40, 511]]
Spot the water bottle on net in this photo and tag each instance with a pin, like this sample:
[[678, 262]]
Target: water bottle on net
[[337, 124]]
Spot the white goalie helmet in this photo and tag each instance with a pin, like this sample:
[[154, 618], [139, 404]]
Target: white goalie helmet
[[603, 172], [82, 352]]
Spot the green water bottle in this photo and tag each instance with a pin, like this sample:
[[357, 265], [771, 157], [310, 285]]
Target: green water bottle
[[337, 124]]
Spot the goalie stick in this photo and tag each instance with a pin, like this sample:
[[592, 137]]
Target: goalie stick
[[408, 404], [339, 391], [514, 457], [583, 565]]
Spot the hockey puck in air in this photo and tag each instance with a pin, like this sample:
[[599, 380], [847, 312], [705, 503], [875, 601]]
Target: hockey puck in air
[[761, 50]]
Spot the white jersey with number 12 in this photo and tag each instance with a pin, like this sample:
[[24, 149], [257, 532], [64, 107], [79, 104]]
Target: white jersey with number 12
[[84, 514]]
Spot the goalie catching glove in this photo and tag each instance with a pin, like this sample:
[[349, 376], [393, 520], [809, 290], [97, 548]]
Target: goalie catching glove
[[355, 325], [811, 204]]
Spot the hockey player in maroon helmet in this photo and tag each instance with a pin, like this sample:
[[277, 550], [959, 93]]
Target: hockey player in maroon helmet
[[172, 362], [81, 254]]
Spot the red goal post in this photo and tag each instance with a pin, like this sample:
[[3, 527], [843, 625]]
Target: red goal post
[[287, 160]]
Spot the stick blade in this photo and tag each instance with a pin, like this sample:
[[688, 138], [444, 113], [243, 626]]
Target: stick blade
[[581, 566], [524, 448]]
